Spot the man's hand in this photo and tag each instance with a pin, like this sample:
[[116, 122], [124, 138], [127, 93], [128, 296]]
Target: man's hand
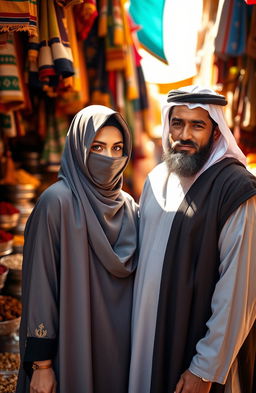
[[43, 381], [190, 383]]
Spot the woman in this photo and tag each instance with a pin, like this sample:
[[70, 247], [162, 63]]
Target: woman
[[79, 259]]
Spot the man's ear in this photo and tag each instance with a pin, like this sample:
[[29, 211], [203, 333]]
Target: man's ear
[[216, 134]]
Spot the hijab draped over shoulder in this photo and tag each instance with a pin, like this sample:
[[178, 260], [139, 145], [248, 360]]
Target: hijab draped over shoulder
[[104, 206]]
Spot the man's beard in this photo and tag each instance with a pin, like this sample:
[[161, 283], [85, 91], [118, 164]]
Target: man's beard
[[184, 164]]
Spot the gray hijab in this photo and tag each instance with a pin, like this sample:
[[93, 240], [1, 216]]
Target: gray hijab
[[78, 276], [103, 205]]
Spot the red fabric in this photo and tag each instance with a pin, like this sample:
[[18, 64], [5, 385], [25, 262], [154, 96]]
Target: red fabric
[[250, 1]]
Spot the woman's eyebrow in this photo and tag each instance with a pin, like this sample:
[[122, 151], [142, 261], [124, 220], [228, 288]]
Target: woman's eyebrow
[[104, 143]]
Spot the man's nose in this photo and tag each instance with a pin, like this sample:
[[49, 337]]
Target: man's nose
[[185, 133]]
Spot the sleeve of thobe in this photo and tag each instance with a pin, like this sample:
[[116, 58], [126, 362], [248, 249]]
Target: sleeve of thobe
[[234, 299], [40, 279]]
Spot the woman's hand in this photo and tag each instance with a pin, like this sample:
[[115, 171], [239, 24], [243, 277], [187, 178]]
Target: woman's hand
[[43, 380]]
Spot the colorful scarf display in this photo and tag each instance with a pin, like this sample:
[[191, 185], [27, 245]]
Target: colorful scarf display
[[20, 15]]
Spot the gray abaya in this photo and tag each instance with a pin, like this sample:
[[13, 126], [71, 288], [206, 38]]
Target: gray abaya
[[79, 259]]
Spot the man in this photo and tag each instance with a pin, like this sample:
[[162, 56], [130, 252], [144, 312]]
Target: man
[[195, 295]]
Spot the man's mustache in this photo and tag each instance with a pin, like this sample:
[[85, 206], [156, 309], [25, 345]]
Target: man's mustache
[[179, 143]]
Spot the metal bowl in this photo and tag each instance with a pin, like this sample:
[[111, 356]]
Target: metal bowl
[[3, 276], [14, 264], [9, 327], [8, 381], [9, 221], [18, 192], [6, 247]]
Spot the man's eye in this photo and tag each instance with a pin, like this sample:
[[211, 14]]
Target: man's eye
[[176, 124]]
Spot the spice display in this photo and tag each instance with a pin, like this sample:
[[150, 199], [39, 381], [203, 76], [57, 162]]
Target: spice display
[[8, 383], [5, 236], [9, 361], [18, 240], [23, 177], [2, 269], [8, 209], [13, 261], [10, 308]]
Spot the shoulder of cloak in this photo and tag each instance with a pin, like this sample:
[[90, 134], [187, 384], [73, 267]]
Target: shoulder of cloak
[[55, 196], [130, 201], [225, 186], [50, 205]]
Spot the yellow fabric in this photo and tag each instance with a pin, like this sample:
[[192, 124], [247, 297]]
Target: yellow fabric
[[78, 94], [130, 67], [118, 23], [103, 10], [164, 88], [22, 16]]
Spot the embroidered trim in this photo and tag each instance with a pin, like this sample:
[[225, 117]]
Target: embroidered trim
[[41, 331]]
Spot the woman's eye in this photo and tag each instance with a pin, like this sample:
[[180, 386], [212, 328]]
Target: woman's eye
[[97, 147], [118, 148]]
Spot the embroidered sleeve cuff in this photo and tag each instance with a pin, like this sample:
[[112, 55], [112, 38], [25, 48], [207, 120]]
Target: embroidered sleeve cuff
[[38, 349]]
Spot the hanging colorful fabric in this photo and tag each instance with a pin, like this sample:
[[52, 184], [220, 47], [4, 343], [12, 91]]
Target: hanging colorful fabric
[[45, 61], [59, 42], [68, 3], [150, 16], [18, 15], [251, 43], [7, 124], [232, 31], [11, 94], [55, 56], [85, 15], [115, 55]]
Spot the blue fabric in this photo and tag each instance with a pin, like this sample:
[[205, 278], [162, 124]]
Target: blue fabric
[[236, 44], [148, 14]]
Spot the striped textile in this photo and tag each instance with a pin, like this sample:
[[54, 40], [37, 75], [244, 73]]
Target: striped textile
[[18, 15], [115, 45], [55, 55], [11, 94], [232, 31]]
